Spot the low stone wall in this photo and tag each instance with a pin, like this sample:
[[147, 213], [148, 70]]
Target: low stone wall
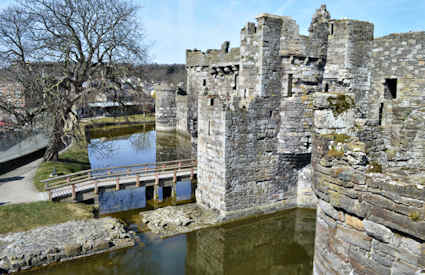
[[63, 242], [20, 143]]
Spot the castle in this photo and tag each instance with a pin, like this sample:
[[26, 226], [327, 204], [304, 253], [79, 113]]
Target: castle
[[334, 121]]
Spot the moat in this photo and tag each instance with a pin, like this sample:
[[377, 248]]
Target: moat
[[282, 243], [138, 144]]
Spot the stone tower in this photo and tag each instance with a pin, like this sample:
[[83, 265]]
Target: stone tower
[[255, 117], [333, 120], [165, 107]]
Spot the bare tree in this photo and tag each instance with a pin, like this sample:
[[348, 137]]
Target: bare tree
[[81, 41]]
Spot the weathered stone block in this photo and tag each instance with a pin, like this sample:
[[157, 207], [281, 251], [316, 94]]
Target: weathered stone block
[[354, 222], [378, 231], [72, 249]]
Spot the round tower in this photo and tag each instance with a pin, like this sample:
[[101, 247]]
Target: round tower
[[165, 107]]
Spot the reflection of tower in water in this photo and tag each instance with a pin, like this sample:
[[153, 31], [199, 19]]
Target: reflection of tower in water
[[278, 244], [172, 146]]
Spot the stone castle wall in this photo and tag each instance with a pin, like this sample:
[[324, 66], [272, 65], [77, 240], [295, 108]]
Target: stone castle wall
[[211, 142], [297, 118], [182, 113], [367, 222], [266, 98], [369, 219], [400, 57]]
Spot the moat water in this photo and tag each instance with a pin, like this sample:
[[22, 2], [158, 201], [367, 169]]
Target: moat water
[[282, 243], [138, 144]]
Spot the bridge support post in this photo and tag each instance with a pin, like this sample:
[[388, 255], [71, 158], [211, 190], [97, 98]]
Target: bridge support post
[[117, 184], [96, 188], [156, 192], [74, 193], [173, 189], [193, 187], [137, 181]]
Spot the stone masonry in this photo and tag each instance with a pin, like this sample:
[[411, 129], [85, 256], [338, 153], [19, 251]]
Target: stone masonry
[[255, 115], [337, 116], [165, 107]]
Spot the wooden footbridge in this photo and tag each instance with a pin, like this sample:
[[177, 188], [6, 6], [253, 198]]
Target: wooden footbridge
[[88, 184]]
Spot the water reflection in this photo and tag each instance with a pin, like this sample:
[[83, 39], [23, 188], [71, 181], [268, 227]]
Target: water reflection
[[125, 145], [278, 244], [111, 147], [121, 146]]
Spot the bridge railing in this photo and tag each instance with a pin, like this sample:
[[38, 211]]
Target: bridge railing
[[101, 174]]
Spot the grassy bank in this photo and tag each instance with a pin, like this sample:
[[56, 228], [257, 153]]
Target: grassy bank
[[26, 216], [73, 160], [122, 119], [76, 158]]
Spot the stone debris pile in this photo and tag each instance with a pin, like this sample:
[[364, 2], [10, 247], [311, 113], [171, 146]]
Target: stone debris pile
[[63, 242], [174, 220]]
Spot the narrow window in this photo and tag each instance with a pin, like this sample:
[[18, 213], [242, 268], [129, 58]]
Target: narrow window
[[235, 83], [209, 127], [391, 84], [244, 93], [211, 101], [381, 112], [327, 87], [204, 82], [332, 29], [290, 76]]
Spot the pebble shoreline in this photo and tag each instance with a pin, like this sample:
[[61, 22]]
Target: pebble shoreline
[[63, 242]]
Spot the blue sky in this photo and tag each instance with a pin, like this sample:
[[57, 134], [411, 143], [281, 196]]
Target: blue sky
[[176, 25]]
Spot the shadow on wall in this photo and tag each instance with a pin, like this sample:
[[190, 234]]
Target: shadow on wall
[[18, 162], [4, 180]]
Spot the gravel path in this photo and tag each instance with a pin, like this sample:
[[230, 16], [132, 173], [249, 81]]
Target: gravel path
[[16, 186]]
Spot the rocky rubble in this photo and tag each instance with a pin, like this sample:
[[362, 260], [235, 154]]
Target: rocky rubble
[[50, 244], [174, 220]]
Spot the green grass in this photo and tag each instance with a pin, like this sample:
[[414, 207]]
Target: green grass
[[27, 216], [73, 160], [122, 119]]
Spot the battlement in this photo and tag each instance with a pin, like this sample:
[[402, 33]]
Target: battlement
[[354, 29], [223, 56], [165, 86], [420, 35]]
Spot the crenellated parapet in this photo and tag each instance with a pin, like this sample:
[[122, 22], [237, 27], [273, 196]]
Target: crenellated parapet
[[223, 56]]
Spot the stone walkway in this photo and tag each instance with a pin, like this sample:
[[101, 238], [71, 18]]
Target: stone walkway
[[16, 186]]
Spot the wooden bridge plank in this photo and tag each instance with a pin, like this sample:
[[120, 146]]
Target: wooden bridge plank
[[125, 178]]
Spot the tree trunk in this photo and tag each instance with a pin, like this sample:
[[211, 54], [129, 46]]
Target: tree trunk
[[55, 141]]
